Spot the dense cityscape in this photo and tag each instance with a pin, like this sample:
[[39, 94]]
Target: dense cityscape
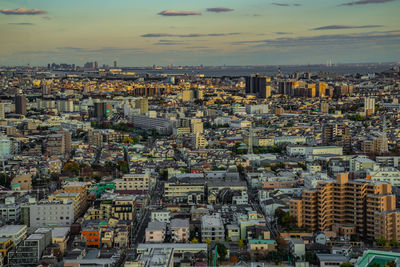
[[103, 165]]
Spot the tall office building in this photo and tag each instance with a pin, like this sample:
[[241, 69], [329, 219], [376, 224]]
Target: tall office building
[[369, 106], [102, 110], [321, 89], [324, 107], [2, 111], [348, 207], [258, 85], [196, 126], [198, 94], [187, 95], [20, 104], [115, 64], [46, 90], [199, 141], [65, 105], [142, 104]]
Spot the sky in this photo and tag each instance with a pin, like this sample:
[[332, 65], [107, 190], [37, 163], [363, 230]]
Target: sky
[[195, 32]]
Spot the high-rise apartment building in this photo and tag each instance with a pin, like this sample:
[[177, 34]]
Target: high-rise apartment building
[[324, 107], [199, 141], [46, 90], [55, 144], [196, 126], [20, 104], [95, 137], [199, 94], [337, 134], [142, 104], [102, 110], [377, 144], [369, 106], [321, 89], [65, 105], [187, 95], [360, 206], [258, 85]]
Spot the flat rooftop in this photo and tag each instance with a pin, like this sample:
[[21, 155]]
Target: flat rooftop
[[11, 229]]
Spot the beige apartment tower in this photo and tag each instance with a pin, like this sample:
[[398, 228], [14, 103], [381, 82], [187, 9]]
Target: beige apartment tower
[[368, 208]]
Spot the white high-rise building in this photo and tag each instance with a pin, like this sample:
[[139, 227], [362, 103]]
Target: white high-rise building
[[369, 105]]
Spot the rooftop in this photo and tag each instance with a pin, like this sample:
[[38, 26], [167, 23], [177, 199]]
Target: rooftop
[[332, 257], [262, 242], [156, 226], [11, 229]]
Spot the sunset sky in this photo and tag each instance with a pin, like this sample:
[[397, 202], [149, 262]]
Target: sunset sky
[[208, 32]]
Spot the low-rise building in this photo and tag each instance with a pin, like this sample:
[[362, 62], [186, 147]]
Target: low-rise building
[[179, 230], [389, 175], [10, 211], [155, 232], [326, 260], [30, 251], [22, 182], [297, 247], [370, 257], [52, 213], [16, 232], [212, 227], [91, 236], [161, 215], [133, 181], [6, 244], [60, 237], [261, 247]]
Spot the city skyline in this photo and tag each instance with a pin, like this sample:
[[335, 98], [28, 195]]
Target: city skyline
[[256, 32]]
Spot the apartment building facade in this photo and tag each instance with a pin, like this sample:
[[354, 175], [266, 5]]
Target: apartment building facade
[[369, 208]]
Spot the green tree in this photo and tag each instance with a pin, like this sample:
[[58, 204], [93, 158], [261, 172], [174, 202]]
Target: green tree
[[54, 176], [96, 177], [241, 243], [208, 241], [123, 166], [381, 241], [109, 164], [195, 240], [282, 244], [128, 140], [164, 175], [72, 167], [5, 180], [222, 251], [311, 257], [154, 133], [346, 264], [394, 243]]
